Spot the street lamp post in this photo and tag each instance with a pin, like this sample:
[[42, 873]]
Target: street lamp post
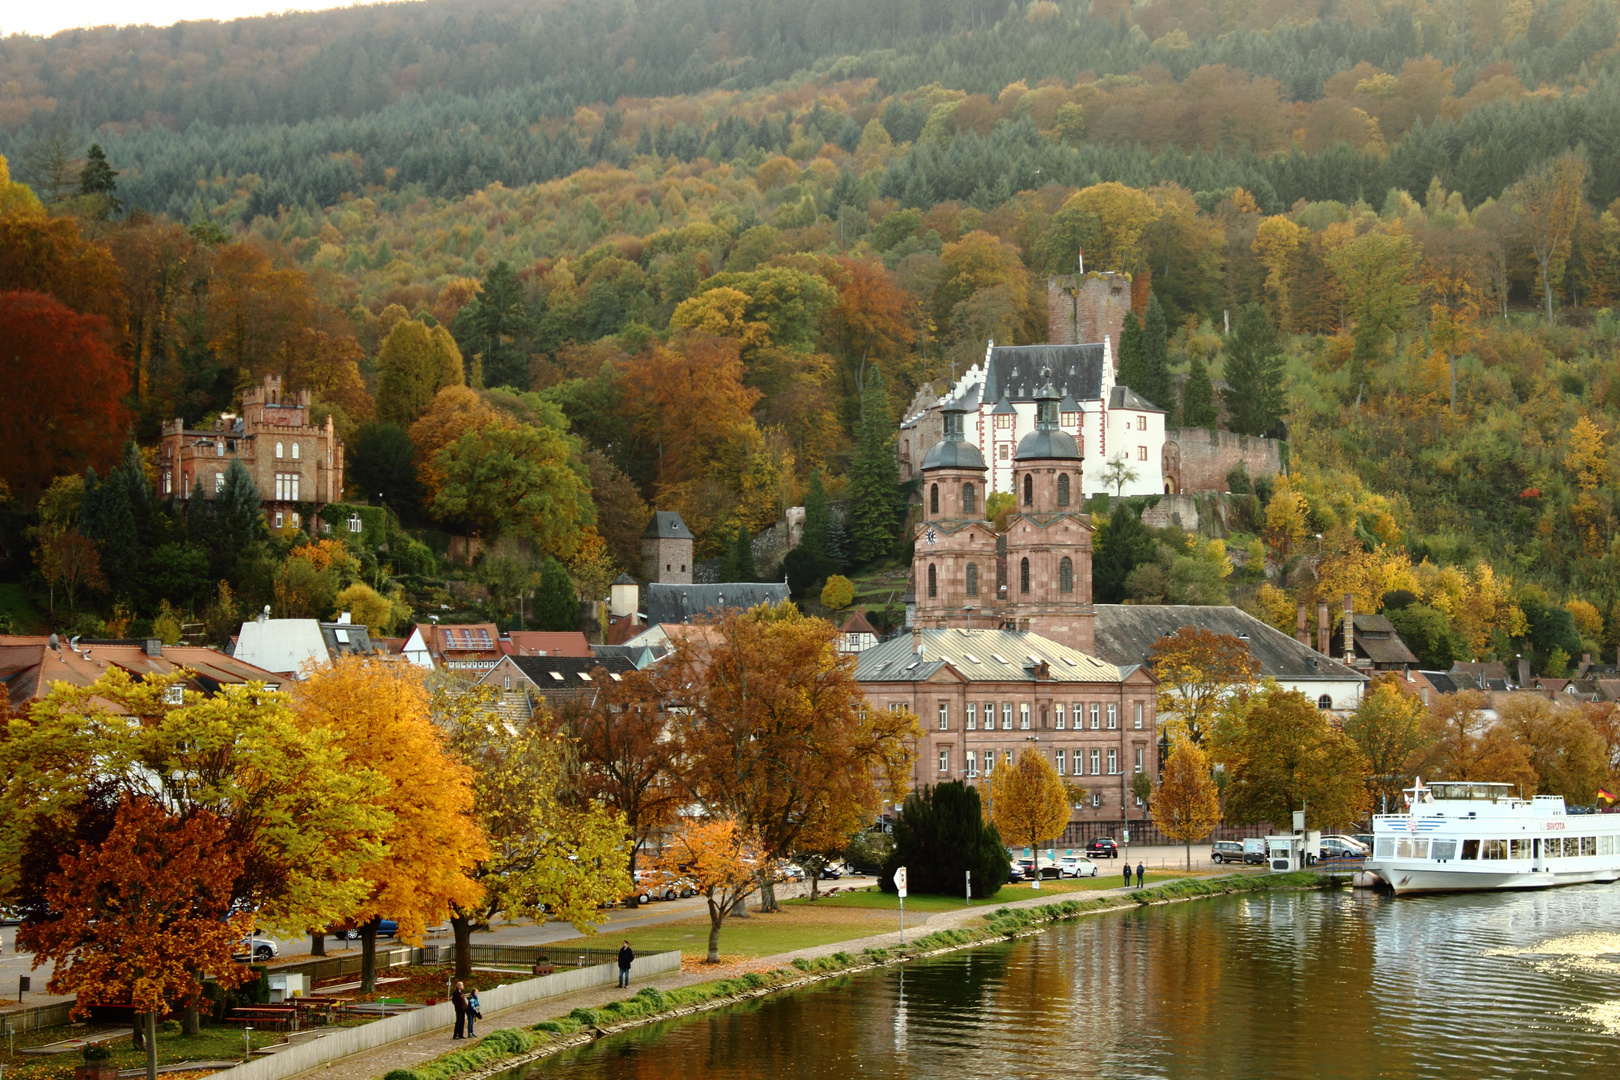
[[1035, 852]]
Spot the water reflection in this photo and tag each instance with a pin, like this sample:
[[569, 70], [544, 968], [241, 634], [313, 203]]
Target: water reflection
[[1345, 985]]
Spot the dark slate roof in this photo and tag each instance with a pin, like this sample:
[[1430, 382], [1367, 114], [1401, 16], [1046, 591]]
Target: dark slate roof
[[1014, 371], [1376, 637], [1046, 445], [1123, 397], [684, 603], [539, 669], [347, 639], [1483, 673], [953, 454], [1443, 683], [982, 656], [1126, 633], [625, 579], [666, 525], [1003, 407]]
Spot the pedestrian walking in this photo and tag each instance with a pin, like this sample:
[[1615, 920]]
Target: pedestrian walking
[[626, 958], [458, 998], [474, 1011], [1140, 875], [1127, 875]]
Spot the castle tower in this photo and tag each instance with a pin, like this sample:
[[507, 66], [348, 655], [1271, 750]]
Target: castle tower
[[1049, 539], [955, 562], [666, 549]]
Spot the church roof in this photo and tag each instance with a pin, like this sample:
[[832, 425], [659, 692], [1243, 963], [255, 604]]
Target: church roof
[[1015, 371], [1047, 444], [981, 656], [952, 454], [1124, 397], [666, 525]]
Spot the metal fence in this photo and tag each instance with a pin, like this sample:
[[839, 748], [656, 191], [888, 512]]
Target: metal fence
[[1143, 831]]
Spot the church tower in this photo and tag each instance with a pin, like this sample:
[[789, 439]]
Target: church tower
[[955, 563], [1048, 538]]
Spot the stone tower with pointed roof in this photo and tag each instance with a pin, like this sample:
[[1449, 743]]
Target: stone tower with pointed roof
[[955, 562], [1048, 540], [666, 549]]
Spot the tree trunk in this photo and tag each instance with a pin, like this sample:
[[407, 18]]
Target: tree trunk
[[138, 1032], [462, 926], [1546, 289], [317, 944], [368, 956], [191, 1019], [716, 913], [151, 1046], [815, 883], [1451, 362], [767, 895], [739, 907]]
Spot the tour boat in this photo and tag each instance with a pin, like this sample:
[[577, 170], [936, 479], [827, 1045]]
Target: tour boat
[[1462, 836]]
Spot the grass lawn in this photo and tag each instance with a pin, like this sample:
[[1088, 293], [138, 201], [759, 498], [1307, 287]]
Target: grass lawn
[[213, 1044]]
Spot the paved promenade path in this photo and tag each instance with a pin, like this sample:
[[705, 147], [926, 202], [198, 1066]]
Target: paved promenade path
[[420, 1048]]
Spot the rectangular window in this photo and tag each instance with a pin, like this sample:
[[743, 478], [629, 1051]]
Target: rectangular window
[[1386, 848], [1521, 848], [972, 716], [168, 482], [1096, 762], [1494, 849], [989, 763], [278, 519], [1403, 848], [944, 716], [1096, 799], [1470, 849], [1006, 716], [1141, 423], [1605, 845], [1113, 761], [1113, 716], [1141, 453], [972, 764], [1057, 716], [1023, 716], [944, 759], [1096, 714], [219, 482], [1137, 723], [1007, 757], [1588, 845], [1059, 757], [1138, 759], [989, 716], [1444, 850], [286, 487]]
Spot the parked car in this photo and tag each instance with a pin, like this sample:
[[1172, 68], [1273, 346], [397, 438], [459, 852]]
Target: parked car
[[1365, 839], [832, 872], [255, 947], [790, 872], [1225, 851], [1077, 866], [1014, 874], [1341, 847], [385, 928], [1103, 847], [10, 917], [1254, 850]]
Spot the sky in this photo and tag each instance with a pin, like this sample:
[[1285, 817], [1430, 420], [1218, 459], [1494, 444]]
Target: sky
[[22, 17]]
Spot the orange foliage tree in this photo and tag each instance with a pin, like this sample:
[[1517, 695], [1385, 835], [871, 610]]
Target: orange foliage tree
[[382, 711], [1196, 670], [51, 428], [722, 858], [139, 919]]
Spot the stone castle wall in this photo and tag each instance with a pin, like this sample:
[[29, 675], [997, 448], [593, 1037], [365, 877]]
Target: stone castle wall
[[1083, 309], [1198, 459]]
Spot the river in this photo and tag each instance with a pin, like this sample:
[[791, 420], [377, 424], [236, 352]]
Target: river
[[1288, 985]]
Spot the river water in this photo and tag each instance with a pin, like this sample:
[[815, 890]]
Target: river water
[[1292, 985]]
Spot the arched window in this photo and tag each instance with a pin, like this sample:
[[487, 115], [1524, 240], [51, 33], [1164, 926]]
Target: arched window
[[1324, 703], [1063, 489], [295, 451], [973, 579], [1023, 575], [278, 451], [970, 500], [1066, 576], [933, 582], [1029, 489], [933, 499]]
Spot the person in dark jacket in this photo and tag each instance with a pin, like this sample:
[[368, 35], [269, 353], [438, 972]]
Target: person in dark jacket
[[1140, 878], [458, 998], [626, 958], [1127, 875], [474, 1011]]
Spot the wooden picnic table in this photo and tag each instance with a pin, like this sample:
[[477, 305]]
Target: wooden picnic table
[[265, 1014]]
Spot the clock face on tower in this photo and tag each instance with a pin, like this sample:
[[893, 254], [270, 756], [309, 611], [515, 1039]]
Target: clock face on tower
[[931, 536]]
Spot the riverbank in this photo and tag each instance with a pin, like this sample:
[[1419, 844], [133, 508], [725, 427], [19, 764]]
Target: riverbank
[[527, 1035]]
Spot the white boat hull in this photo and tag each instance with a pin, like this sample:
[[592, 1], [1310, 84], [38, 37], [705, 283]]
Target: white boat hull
[[1408, 878]]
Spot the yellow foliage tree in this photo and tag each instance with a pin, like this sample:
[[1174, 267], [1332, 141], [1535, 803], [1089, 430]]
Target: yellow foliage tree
[[381, 712], [1123, 215], [720, 857], [1588, 622], [1277, 242], [455, 411], [1285, 527], [1196, 670], [1029, 802], [1186, 806]]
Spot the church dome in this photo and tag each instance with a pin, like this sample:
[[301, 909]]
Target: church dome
[[1048, 441], [954, 451]]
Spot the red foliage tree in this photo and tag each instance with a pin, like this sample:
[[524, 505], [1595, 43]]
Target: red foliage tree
[[67, 392]]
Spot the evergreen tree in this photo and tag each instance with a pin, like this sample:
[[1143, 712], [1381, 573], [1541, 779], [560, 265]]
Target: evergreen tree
[[236, 518], [1198, 397], [556, 605], [107, 519], [496, 325], [1254, 374], [382, 462], [874, 476], [1122, 543], [98, 178], [738, 562], [837, 543], [940, 836], [1131, 373], [199, 516], [1155, 358], [142, 504], [817, 516]]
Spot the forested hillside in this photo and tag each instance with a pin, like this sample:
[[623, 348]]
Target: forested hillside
[[700, 255]]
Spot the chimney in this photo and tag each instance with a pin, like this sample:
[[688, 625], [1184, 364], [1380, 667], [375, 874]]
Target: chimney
[[1349, 630], [1302, 628], [916, 640], [154, 646], [1324, 629]]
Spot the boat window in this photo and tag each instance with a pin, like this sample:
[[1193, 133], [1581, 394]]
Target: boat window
[[1565, 847], [1420, 848], [1588, 845], [1386, 848], [1521, 848], [1470, 849], [1445, 850], [1403, 848], [1605, 845], [1494, 849]]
